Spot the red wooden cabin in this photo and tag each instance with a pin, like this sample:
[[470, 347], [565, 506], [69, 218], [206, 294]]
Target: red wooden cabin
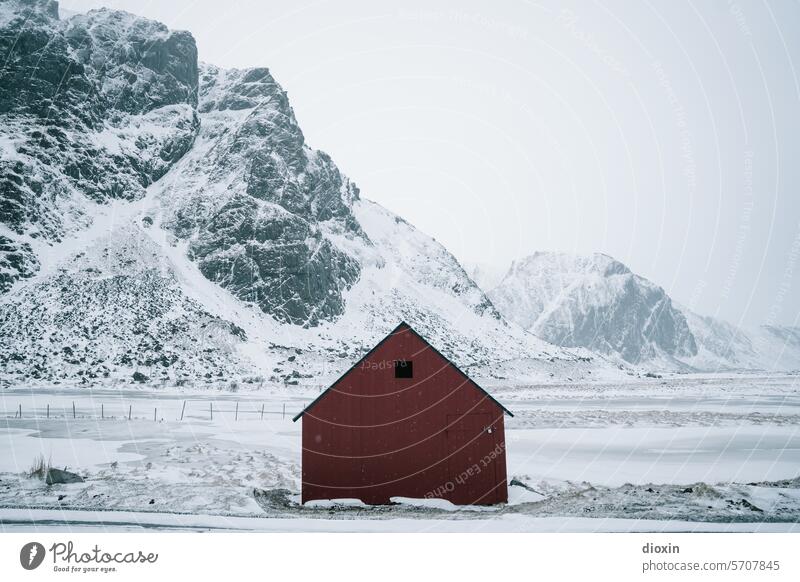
[[404, 422]]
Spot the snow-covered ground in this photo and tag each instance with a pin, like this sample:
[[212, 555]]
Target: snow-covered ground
[[21, 520], [686, 453]]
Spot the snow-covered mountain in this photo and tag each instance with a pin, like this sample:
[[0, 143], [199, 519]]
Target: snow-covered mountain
[[722, 345], [166, 220], [596, 302]]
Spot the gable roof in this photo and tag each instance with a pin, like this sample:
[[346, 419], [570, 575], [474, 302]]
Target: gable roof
[[402, 327]]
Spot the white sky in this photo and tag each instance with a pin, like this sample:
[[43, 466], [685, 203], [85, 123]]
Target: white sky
[[665, 134]]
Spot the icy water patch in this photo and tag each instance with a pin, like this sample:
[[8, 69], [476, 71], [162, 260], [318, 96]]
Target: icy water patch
[[19, 448]]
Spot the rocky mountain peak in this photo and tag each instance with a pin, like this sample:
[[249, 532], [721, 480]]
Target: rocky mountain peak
[[34, 11], [138, 64], [566, 263], [236, 89], [92, 109], [593, 301]]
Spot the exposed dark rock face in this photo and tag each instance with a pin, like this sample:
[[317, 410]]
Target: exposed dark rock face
[[275, 259], [40, 76], [264, 237], [269, 147], [149, 67], [92, 109], [17, 259]]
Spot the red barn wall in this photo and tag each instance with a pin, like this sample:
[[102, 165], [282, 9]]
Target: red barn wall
[[373, 436]]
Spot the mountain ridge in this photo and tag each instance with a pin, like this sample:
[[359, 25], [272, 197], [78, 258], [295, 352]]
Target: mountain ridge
[[596, 302]]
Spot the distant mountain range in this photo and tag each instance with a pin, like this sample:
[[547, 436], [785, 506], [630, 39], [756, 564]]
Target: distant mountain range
[[597, 303]]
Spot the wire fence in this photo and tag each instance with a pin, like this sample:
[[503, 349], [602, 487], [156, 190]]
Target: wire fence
[[180, 411]]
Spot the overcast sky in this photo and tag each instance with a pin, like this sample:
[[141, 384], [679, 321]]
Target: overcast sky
[[665, 134]]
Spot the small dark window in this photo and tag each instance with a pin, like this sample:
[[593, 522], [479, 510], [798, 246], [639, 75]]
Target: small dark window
[[404, 369]]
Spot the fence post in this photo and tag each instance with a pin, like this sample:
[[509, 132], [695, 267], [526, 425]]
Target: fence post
[[155, 410], [236, 417], [20, 410], [102, 411], [73, 409], [130, 409], [262, 411], [211, 408], [48, 411], [183, 408], [284, 411]]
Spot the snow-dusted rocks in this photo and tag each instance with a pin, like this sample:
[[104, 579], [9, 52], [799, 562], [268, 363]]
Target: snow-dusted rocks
[[723, 346], [594, 302], [137, 64], [114, 308], [92, 109], [261, 202], [17, 260]]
